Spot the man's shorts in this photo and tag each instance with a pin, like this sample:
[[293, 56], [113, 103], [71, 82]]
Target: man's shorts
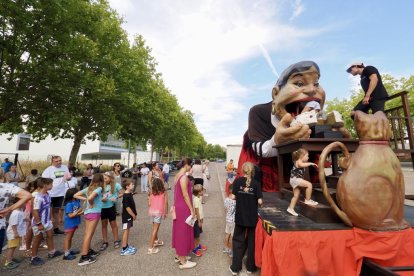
[[198, 181], [230, 228], [156, 219], [48, 226], [127, 225], [57, 202], [92, 216], [108, 213], [14, 242]]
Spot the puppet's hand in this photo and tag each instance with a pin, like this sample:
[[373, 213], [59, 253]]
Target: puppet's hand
[[285, 132], [345, 132]]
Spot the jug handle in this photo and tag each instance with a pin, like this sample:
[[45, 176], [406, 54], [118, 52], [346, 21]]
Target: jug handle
[[322, 179]]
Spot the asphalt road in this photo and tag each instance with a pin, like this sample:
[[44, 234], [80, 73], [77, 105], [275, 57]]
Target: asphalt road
[[213, 262]]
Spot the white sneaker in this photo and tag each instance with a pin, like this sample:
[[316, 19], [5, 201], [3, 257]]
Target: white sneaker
[[232, 272], [178, 260], [292, 212], [188, 264], [311, 202]]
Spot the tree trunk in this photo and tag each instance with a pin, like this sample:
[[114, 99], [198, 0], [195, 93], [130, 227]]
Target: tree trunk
[[75, 149]]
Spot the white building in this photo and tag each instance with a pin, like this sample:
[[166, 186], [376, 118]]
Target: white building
[[94, 152], [233, 152]]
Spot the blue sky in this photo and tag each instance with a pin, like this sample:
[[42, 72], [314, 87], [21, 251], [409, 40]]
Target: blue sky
[[222, 57]]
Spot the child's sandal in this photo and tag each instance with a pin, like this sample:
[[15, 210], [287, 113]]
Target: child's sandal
[[117, 244], [158, 243], [153, 250], [104, 246], [28, 253]]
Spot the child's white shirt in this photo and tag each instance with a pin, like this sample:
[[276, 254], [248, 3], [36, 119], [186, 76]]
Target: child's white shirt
[[198, 204], [16, 218]]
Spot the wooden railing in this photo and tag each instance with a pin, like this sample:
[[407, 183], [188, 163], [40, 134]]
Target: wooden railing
[[401, 127]]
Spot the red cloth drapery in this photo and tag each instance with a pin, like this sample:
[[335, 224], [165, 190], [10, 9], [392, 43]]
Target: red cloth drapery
[[330, 252], [268, 167]]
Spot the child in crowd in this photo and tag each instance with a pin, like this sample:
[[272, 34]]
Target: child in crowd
[[129, 214], [198, 225], [42, 222], [248, 194], [300, 159], [230, 206], [73, 181], [32, 188], [111, 192], [158, 208], [93, 197], [15, 231], [73, 211]]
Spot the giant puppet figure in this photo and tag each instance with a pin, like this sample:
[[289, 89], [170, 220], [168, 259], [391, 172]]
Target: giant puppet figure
[[269, 123]]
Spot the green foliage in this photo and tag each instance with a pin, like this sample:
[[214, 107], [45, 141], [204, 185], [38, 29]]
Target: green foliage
[[69, 71]]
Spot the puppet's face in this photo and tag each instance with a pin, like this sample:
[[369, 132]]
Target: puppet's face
[[301, 87]]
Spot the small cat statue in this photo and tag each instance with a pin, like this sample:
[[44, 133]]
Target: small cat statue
[[370, 192]]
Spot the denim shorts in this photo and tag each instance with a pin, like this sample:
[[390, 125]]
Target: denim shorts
[[156, 219]]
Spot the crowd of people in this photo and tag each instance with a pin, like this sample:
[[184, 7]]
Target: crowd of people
[[52, 200]]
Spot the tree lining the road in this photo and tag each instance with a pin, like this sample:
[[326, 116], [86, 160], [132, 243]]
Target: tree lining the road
[[69, 71]]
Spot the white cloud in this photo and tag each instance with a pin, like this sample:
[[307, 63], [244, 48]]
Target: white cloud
[[298, 9], [197, 42], [269, 60]]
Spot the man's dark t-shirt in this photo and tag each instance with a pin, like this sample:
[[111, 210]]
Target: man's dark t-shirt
[[128, 201], [379, 92], [246, 202]]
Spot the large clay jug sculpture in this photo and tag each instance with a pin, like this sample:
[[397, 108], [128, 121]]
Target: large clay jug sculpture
[[370, 192]]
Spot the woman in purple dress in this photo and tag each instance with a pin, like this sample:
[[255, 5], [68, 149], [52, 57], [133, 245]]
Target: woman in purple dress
[[182, 233]]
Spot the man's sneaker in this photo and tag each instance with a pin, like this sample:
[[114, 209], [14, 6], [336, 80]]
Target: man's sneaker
[[57, 231], [187, 258], [74, 252], [92, 253], [37, 261], [11, 265], [69, 257], [292, 212], [226, 250], [55, 254], [197, 252], [232, 272], [128, 251], [311, 202], [201, 247], [231, 254], [85, 260], [188, 264]]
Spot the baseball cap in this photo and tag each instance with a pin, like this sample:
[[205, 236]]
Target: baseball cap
[[355, 63]]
